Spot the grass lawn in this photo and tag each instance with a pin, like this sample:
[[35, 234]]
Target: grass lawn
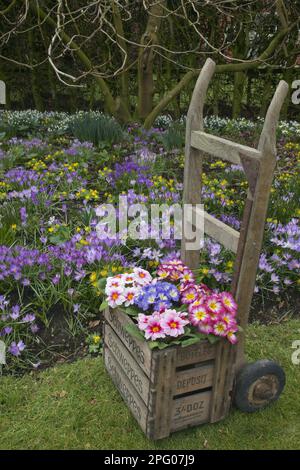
[[75, 406]]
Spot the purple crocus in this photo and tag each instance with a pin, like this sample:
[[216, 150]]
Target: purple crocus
[[15, 312], [6, 331], [76, 308], [16, 348], [34, 328], [29, 318], [23, 215]]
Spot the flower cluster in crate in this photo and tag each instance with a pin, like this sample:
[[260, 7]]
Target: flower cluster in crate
[[164, 323], [158, 295], [123, 289], [171, 306]]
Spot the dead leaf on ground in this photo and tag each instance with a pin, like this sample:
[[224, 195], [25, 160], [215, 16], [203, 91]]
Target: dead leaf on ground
[[60, 394]]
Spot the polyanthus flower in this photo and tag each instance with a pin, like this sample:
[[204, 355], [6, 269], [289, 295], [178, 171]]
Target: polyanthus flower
[[115, 297], [142, 277], [154, 329], [228, 302], [214, 305], [173, 323], [113, 282], [231, 336], [128, 278], [199, 313], [129, 294], [159, 294], [189, 295], [228, 319], [143, 321], [205, 328], [220, 328]]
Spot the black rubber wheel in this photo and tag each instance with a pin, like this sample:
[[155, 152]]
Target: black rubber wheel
[[258, 384]]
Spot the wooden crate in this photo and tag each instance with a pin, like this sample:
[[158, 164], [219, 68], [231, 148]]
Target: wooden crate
[[171, 389]]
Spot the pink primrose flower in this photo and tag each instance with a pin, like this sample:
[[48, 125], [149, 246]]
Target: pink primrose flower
[[154, 329], [173, 323]]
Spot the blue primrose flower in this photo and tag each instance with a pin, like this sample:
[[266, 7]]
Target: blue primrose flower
[[159, 295]]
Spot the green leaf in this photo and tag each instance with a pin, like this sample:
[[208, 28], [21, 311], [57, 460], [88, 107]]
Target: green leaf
[[134, 331], [189, 341], [182, 308], [201, 336], [162, 345], [153, 344], [213, 339], [103, 306], [130, 312], [102, 282]]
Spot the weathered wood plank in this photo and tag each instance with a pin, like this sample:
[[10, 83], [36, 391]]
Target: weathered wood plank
[[255, 229], [190, 380], [128, 364], [222, 148], [161, 396], [223, 381], [193, 157], [191, 410], [139, 349], [128, 393], [203, 351], [222, 233]]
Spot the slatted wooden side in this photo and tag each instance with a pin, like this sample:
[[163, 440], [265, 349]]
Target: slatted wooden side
[[191, 410], [165, 390], [196, 378], [159, 420], [133, 371], [138, 349], [134, 402]]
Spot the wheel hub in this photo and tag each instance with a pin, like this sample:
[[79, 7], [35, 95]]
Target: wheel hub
[[263, 390]]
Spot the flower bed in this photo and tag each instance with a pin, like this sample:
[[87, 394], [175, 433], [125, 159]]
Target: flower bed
[[51, 260]]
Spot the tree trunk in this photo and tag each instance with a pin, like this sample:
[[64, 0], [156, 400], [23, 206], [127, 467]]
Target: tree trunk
[[267, 95], [124, 77], [288, 77], [240, 52], [168, 97], [53, 91], [146, 59], [35, 78], [238, 94]]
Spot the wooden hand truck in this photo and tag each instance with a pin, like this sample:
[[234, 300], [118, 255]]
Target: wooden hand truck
[[256, 384], [175, 388]]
